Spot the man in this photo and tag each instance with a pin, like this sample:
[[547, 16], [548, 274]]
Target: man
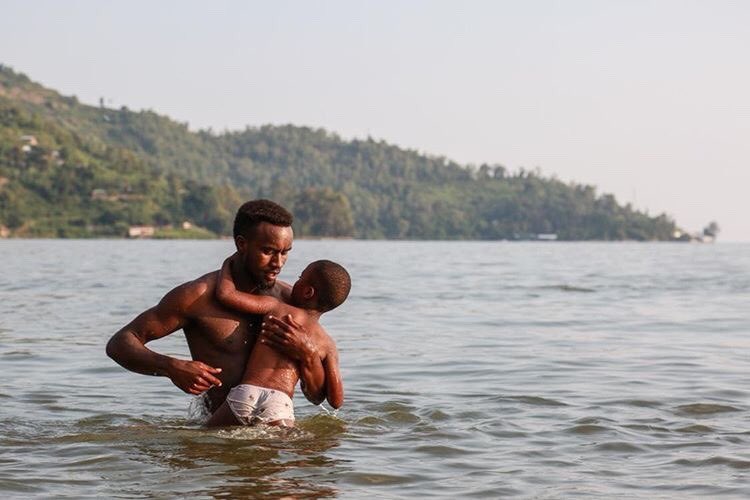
[[220, 339]]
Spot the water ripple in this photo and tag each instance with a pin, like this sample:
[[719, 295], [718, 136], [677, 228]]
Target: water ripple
[[700, 409], [734, 463], [588, 429]]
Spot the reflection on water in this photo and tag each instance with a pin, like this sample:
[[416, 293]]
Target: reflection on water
[[471, 370], [165, 458], [239, 462]]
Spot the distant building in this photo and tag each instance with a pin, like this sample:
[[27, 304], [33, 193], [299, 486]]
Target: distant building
[[678, 235], [141, 231], [547, 237], [55, 156], [30, 140], [128, 197], [4, 232], [187, 225], [99, 194]]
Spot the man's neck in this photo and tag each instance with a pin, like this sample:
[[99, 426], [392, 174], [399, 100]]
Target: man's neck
[[242, 280]]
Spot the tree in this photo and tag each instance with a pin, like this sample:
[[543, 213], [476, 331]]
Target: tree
[[323, 212], [712, 230]]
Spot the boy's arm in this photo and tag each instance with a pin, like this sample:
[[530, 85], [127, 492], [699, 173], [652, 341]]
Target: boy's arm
[[318, 385], [312, 381], [229, 296], [334, 384]]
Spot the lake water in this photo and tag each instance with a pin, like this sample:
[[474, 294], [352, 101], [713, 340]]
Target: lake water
[[472, 369]]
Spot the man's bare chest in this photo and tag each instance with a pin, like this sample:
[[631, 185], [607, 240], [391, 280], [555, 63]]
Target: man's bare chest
[[223, 332]]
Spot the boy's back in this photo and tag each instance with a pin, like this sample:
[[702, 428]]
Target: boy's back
[[268, 367]]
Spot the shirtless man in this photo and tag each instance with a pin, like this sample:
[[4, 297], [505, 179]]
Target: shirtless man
[[220, 339]]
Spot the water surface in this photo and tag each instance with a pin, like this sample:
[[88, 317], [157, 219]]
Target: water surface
[[472, 369]]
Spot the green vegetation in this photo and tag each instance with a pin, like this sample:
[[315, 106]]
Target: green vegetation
[[179, 233], [72, 170]]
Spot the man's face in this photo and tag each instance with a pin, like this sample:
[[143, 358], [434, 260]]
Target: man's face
[[264, 252]]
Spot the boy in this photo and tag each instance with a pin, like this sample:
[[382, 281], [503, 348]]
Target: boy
[[264, 395]]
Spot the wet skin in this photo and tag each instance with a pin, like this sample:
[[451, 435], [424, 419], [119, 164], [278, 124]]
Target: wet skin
[[269, 368], [220, 340]]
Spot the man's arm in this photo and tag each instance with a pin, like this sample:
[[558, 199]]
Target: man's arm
[[229, 296], [128, 346], [290, 338]]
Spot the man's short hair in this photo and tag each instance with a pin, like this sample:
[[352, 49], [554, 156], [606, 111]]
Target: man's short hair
[[253, 212], [332, 284]]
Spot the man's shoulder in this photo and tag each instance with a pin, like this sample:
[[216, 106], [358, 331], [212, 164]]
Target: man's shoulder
[[199, 285], [193, 292]]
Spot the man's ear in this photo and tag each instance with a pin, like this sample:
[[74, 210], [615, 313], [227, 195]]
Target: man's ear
[[309, 292], [241, 243]]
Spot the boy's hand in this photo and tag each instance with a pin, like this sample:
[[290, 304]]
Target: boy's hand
[[288, 337]]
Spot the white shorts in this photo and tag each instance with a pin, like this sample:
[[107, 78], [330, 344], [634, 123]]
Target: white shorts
[[251, 404]]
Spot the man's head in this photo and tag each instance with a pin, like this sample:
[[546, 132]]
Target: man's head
[[324, 285], [263, 236]]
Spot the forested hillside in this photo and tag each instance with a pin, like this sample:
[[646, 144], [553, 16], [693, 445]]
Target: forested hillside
[[73, 170]]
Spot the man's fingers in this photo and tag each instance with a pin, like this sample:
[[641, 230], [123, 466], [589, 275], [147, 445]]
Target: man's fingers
[[207, 379], [207, 375], [201, 385], [288, 319], [274, 337], [209, 368], [269, 333], [279, 324], [211, 379]]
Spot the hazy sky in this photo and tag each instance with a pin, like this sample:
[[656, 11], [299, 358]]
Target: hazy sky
[[648, 100]]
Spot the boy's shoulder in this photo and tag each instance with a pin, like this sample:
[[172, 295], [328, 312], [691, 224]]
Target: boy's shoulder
[[299, 315], [322, 338]]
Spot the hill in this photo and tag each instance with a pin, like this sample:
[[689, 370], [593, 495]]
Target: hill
[[73, 170]]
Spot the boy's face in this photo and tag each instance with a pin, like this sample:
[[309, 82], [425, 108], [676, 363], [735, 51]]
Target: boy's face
[[264, 252], [300, 290]]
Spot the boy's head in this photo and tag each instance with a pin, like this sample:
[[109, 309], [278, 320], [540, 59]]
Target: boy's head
[[323, 285]]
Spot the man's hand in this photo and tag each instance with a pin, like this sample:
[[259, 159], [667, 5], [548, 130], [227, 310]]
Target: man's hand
[[288, 337], [291, 339], [193, 377]]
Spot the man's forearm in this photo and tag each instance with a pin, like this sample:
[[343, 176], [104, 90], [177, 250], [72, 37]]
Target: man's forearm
[[130, 353]]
